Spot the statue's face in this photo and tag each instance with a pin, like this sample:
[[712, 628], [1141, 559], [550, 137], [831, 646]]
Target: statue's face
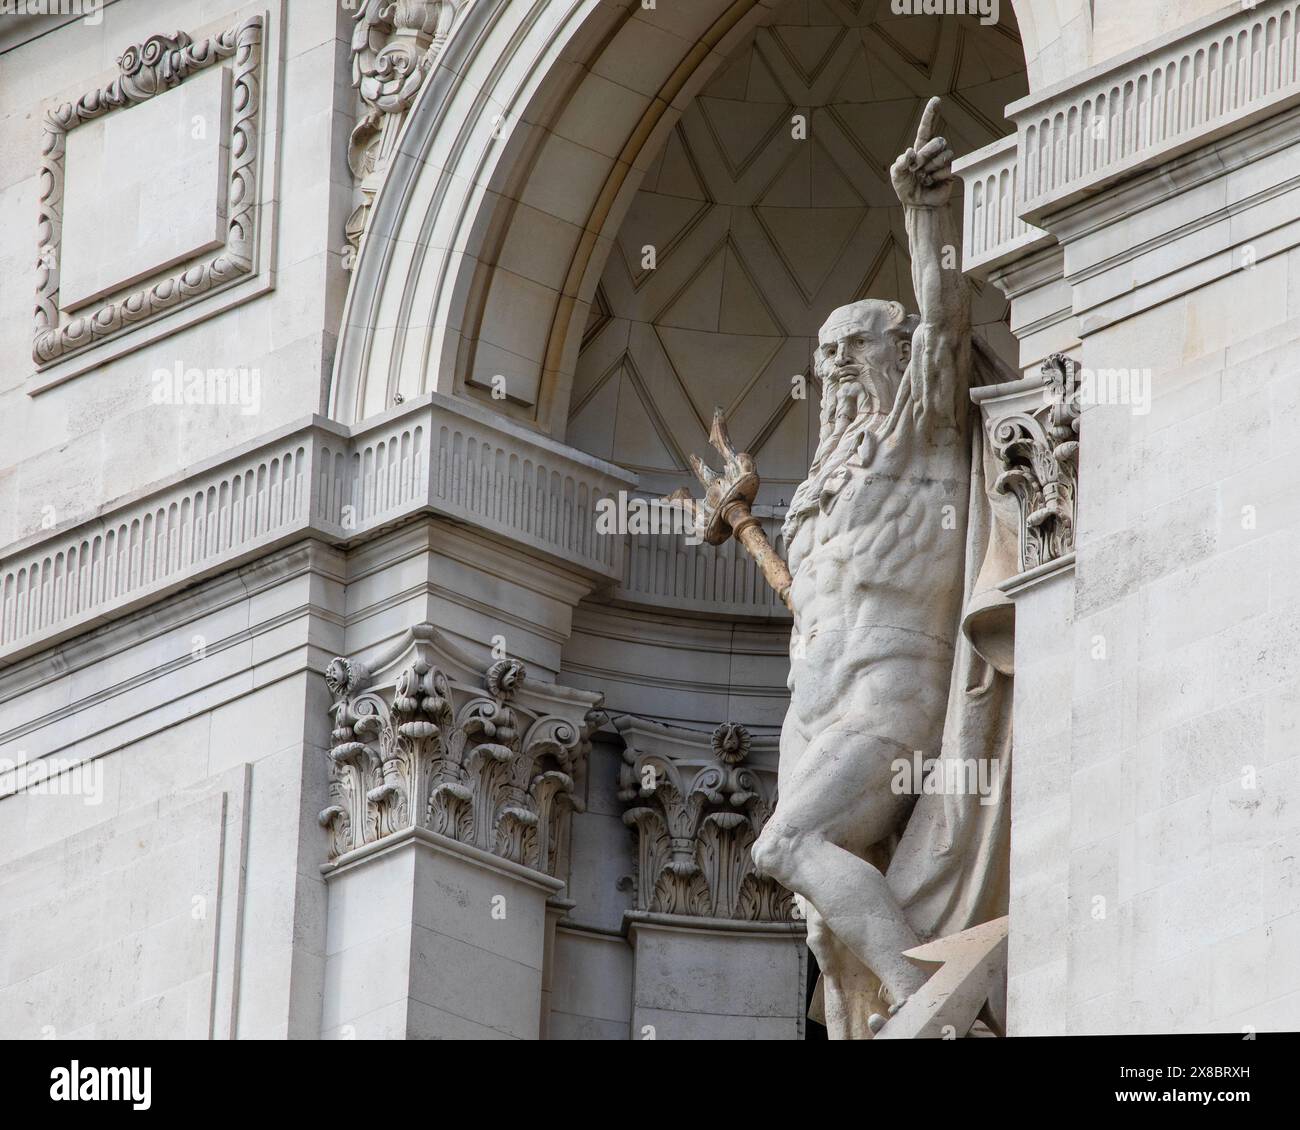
[[858, 353]]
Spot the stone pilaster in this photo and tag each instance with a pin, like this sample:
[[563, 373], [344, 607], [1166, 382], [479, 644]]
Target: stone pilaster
[[449, 802], [1166, 175], [719, 953], [1031, 427]]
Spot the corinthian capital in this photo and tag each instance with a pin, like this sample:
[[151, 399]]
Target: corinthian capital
[[696, 805], [1037, 449], [427, 740]]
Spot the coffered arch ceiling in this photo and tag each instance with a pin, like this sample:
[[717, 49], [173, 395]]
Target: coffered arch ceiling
[[759, 234], [525, 150]]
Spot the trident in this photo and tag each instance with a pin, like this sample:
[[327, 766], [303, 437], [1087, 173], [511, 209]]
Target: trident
[[725, 509]]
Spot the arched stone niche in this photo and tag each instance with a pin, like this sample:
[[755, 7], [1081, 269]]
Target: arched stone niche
[[515, 170], [516, 164]]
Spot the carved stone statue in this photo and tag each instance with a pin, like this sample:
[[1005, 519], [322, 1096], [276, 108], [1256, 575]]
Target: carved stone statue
[[885, 539]]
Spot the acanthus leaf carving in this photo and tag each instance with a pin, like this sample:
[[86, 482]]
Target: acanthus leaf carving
[[696, 823], [1037, 453], [479, 765]]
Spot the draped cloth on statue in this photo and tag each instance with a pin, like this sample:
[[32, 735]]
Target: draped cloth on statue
[[949, 869]]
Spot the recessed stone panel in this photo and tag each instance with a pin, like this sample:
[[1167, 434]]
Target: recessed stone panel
[[145, 188]]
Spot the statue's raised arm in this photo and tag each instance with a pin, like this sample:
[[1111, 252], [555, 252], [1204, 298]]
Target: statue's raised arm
[[940, 366]]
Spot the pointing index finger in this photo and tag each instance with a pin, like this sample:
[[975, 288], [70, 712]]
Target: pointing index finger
[[926, 129]]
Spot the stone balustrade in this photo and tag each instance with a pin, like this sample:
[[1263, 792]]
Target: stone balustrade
[[666, 571], [319, 479], [993, 232], [1150, 105], [343, 483], [1146, 105]]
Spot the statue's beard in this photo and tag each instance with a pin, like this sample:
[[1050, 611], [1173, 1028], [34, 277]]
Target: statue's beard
[[855, 399], [853, 396]]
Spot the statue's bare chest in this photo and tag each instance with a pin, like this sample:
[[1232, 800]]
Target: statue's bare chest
[[882, 518]]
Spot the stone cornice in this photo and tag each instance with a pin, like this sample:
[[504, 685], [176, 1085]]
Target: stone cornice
[[118, 647], [1127, 116], [314, 479], [1176, 227]]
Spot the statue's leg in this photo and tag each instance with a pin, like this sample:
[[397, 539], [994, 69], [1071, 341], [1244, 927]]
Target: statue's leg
[[850, 991], [836, 802]]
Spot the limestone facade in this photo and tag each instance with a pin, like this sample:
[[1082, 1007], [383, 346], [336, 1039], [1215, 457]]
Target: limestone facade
[[332, 703]]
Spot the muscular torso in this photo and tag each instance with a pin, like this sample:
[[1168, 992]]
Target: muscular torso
[[877, 590]]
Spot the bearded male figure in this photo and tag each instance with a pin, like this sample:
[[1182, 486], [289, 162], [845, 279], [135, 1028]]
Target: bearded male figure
[[881, 559]]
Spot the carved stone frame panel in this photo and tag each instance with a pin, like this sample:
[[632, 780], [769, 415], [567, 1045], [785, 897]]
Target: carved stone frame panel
[[64, 346]]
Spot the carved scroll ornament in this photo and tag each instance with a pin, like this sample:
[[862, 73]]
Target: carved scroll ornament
[[394, 46], [492, 766], [1038, 456], [695, 821]]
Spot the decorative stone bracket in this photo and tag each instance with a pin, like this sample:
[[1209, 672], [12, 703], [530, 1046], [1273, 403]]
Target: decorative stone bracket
[[1037, 449], [417, 743], [394, 46], [697, 809]]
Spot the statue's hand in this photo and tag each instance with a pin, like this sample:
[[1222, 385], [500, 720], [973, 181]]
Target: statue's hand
[[923, 175]]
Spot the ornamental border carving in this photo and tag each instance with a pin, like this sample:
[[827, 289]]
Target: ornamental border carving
[[160, 63]]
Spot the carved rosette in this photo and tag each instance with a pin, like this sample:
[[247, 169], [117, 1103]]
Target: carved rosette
[[394, 46], [415, 746], [1039, 455], [696, 819]]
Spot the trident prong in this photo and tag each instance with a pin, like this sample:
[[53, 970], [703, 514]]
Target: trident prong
[[720, 437], [725, 511], [706, 474]]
